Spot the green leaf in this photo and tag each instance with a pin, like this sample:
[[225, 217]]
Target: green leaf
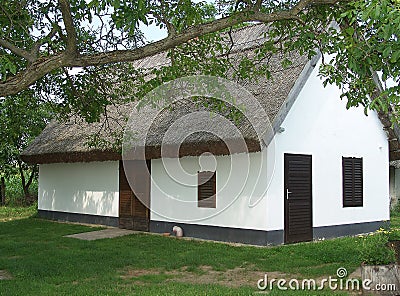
[[386, 52], [350, 31], [377, 11], [12, 67], [395, 56]]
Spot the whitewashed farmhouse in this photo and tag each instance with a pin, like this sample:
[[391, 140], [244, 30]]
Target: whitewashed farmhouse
[[326, 176]]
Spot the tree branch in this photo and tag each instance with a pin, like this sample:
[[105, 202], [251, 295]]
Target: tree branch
[[69, 27], [28, 184], [57, 27], [35, 49], [170, 28], [21, 172], [258, 4], [31, 74], [16, 50], [43, 66]]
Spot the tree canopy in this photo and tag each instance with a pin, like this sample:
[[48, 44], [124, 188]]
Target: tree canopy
[[22, 118], [40, 41]]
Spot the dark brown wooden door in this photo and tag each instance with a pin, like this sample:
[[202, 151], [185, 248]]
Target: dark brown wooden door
[[298, 198], [133, 214]]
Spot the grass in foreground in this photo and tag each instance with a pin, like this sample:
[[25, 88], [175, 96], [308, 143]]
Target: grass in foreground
[[43, 262], [39, 260]]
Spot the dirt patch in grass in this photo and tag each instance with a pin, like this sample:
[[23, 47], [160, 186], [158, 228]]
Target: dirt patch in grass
[[5, 275], [236, 277], [14, 257], [129, 273], [233, 278]]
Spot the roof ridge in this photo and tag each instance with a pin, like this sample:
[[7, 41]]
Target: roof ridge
[[245, 28], [248, 26]]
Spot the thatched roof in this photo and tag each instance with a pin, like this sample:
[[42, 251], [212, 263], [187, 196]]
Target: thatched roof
[[68, 141]]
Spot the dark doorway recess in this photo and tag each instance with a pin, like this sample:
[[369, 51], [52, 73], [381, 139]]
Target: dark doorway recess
[[133, 214]]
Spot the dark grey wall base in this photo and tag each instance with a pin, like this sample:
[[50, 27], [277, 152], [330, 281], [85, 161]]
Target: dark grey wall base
[[225, 234], [260, 237], [81, 218], [347, 229]]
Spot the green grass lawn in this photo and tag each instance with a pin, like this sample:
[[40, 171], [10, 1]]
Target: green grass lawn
[[43, 262], [39, 260]]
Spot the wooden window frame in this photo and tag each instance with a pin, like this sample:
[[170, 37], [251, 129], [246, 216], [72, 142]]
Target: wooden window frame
[[206, 182], [353, 193]]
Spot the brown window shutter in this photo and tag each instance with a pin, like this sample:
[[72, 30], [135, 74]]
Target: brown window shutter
[[206, 190], [352, 169]]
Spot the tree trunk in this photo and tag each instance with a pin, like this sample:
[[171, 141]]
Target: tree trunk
[[3, 191], [30, 198], [25, 186], [382, 279]]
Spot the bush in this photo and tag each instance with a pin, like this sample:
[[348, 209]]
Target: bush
[[13, 212], [15, 193], [375, 249], [395, 212]]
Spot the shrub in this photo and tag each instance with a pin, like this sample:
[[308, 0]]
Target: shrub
[[15, 193], [375, 249], [13, 212]]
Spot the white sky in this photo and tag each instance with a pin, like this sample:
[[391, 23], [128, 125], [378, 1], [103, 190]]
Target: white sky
[[152, 32]]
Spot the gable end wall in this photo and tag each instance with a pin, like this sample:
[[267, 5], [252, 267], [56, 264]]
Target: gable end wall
[[319, 124]]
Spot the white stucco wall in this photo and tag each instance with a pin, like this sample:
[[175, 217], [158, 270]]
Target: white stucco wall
[[240, 201], [319, 124], [85, 188]]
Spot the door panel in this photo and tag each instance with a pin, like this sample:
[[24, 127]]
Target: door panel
[[133, 214], [298, 198]]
